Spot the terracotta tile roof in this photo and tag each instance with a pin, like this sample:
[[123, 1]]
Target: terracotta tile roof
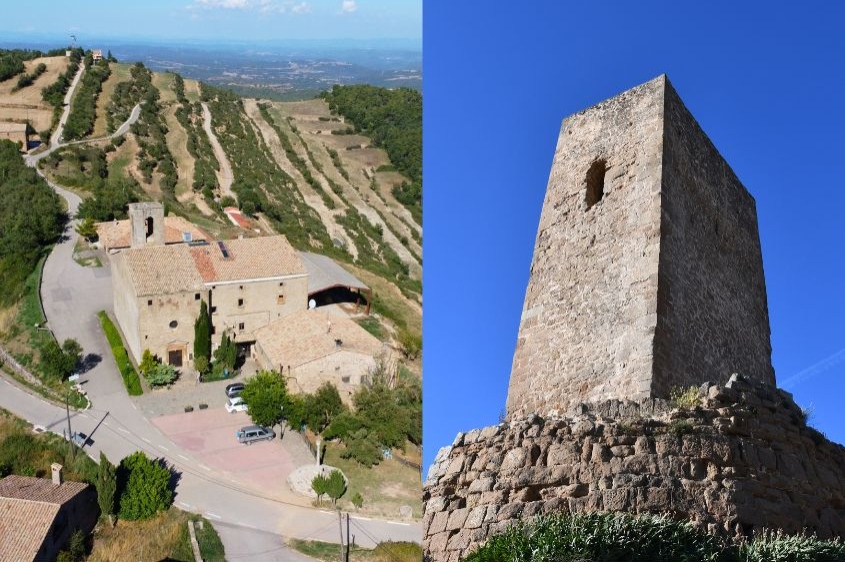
[[303, 337], [39, 489], [24, 525], [157, 270], [117, 234], [248, 258]]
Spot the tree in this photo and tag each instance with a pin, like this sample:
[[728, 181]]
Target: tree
[[106, 487], [148, 363], [87, 229], [201, 364], [265, 394], [202, 333], [320, 485], [357, 500], [336, 486], [322, 406], [227, 352], [145, 487]]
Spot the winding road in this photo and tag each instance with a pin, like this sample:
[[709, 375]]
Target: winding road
[[251, 525]]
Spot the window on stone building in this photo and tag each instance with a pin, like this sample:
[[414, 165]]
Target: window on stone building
[[150, 302], [241, 326], [196, 296], [240, 302], [595, 182], [280, 299], [281, 283], [173, 323]]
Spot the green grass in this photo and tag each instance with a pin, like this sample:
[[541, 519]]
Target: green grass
[[127, 371], [372, 325], [622, 537], [26, 453], [383, 552], [385, 487], [211, 547]]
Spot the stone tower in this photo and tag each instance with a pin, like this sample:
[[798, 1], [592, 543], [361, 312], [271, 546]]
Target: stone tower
[[147, 222], [647, 272]]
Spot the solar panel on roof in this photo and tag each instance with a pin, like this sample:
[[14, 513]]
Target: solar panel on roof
[[223, 249]]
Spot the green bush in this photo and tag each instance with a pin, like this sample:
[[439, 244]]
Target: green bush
[[127, 371], [144, 486], [686, 398], [613, 537]]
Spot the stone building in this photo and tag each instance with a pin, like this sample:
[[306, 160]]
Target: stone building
[[647, 275], [38, 515], [246, 284], [647, 270], [313, 347]]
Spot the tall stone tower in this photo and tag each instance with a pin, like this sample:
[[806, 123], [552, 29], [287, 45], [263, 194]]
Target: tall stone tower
[[147, 224], [647, 271]]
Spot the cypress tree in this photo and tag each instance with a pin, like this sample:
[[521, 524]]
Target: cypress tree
[[202, 333]]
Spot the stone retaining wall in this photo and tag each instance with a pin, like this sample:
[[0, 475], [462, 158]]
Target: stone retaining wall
[[741, 460]]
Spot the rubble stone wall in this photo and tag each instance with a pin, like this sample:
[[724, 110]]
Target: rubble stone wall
[[742, 459]]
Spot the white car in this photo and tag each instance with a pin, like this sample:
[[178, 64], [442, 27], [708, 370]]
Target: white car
[[235, 404]]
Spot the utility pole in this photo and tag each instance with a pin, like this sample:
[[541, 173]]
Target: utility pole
[[69, 434], [347, 538], [340, 527]]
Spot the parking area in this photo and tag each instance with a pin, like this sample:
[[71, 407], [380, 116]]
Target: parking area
[[209, 436]]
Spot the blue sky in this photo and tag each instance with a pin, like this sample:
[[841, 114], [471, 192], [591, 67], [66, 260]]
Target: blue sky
[[215, 20], [766, 86]]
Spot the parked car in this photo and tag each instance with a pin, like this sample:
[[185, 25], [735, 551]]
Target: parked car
[[234, 389], [235, 404], [252, 433]]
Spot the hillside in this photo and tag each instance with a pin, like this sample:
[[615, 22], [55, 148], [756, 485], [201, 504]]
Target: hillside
[[294, 168]]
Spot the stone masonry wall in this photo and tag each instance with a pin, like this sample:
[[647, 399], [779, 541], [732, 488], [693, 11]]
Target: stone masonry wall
[[657, 284], [712, 310], [591, 304], [741, 460]]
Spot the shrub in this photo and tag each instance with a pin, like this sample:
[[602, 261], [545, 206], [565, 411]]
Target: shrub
[[684, 398], [127, 371], [336, 486], [320, 485], [357, 500], [144, 487]]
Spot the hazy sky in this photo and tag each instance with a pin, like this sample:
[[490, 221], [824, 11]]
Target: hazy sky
[[215, 20], [764, 82]]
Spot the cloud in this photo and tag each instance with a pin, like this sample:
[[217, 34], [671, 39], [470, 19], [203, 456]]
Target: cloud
[[348, 6], [301, 8], [228, 4]]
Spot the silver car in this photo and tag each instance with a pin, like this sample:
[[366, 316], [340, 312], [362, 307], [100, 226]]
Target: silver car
[[247, 435]]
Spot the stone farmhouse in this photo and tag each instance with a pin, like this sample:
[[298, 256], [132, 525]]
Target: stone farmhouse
[[259, 291], [38, 515]]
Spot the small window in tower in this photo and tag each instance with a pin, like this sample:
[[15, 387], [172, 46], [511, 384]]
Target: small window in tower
[[196, 296], [240, 302], [173, 323], [150, 302], [280, 299], [595, 182], [281, 283], [241, 326]]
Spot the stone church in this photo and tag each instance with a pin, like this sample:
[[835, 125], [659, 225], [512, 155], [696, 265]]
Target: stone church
[[257, 290]]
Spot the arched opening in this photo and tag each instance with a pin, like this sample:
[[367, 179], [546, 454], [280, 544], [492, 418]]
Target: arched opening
[[595, 182], [149, 223]]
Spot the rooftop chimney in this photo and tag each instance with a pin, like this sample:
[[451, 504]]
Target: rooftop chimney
[[57, 474]]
